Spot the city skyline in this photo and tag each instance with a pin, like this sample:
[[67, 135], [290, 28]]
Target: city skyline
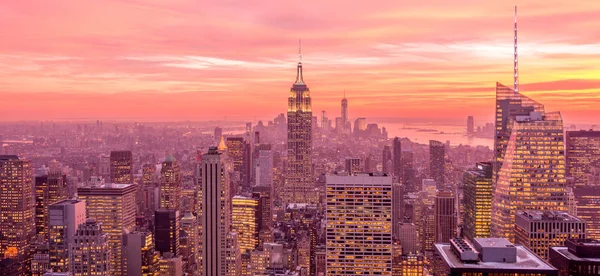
[[393, 59]]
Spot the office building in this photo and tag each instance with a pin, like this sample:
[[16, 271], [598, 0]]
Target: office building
[[386, 160], [344, 113], [142, 259], [121, 167], [299, 181], [170, 184], [264, 167], [411, 264], [360, 125], [397, 206], [40, 261], [188, 242], [477, 196], [166, 231], [407, 235], [244, 222], [215, 210], [538, 230], [488, 256], [91, 252], [577, 257], [397, 157], [445, 216], [64, 218], [437, 163], [353, 165], [170, 265], [470, 126], [17, 206], [369, 198], [217, 135], [150, 192], [582, 150], [588, 209], [113, 206], [50, 187], [408, 172]]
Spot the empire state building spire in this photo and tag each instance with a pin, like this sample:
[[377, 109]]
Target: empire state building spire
[[299, 79], [516, 57]]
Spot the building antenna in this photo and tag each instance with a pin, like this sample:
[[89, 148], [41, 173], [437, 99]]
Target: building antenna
[[299, 50], [516, 57]]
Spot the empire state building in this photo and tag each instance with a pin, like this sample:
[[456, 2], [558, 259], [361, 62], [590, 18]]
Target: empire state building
[[299, 181]]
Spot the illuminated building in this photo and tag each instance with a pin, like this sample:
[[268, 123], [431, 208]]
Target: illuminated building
[[361, 244], [360, 125], [478, 201], [353, 165], [532, 176], [408, 172], [170, 184], [17, 205], [91, 252], [538, 231], [142, 259], [170, 265], [233, 258], [64, 218], [264, 167], [588, 209], [40, 261], [188, 242], [299, 180], [411, 264], [397, 157], [49, 188], [386, 160], [427, 230], [582, 150], [397, 206], [437, 162], [244, 222], [445, 216], [215, 218], [488, 256], [236, 149], [577, 257], [113, 206], [166, 231], [121, 167], [150, 191]]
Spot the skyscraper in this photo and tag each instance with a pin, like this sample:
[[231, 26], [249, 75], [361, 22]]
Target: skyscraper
[[386, 160], [166, 231], [437, 162], [353, 165], [470, 126], [408, 172], [588, 208], [170, 184], [264, 166], [215, 216], [113, 206], [17, 223], [582, 150], [299, 182], [445, 216], [188, 242], [91, 252], [397, 156], [64, 218], [235, 150], [478, 201], [369, 198], [50, 188], [398, 207], [244, 222], [142, 259], [121, 167]]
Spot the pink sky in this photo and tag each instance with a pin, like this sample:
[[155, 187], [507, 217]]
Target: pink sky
[[180, 59]]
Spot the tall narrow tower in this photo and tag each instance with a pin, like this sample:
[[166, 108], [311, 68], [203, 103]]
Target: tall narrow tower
[[299, 182], [516, 57], [345, 109]]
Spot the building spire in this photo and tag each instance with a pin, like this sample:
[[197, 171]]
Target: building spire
[[299, 78], [516, 57]]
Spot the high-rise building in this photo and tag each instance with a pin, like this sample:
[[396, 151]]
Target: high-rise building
[[398, 207], [538, 231], [150, 192], [397, 157], [299, 181], [264, 166], [142, 259], [166, 231], [50, 188], [582, 150], [369, 198], [244, 222], [91, 252], [236, 149], [360, 125], [532, 173], [218, 134], [17, 206], [470, 126], [588, 209], [407, 235], [577, 257], [170, 184], [445, 216], [64, 218], [437, 163], [170, 265], [215, 210], [353, 165], [344, 112], [121, 167], [408, 172], [386, 160], [488, 256], [477, 197], [113, 206], [188, 242]]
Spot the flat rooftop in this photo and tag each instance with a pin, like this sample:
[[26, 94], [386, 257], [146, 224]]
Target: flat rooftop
[[525, 260], [494, 242], [563, 250]]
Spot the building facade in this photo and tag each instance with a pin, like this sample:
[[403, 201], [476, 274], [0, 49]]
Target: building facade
[[64, 218], [445, 216], [121, 167], [478, 201], [437, 163], [170, 184], [582, 150], [91, 252], [244, 222]]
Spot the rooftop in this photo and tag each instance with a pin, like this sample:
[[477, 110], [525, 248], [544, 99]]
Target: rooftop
[[563, 250], [548, 216], [494, 242]]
